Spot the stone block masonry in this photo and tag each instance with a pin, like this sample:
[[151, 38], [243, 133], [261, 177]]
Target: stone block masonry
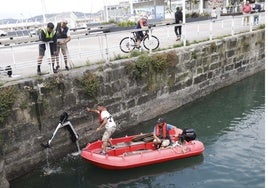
[[134, 90]]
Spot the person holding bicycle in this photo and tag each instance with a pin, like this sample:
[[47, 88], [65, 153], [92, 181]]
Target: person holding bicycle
[[141, 24]]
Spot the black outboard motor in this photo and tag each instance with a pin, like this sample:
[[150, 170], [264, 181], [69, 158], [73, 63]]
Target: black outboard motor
[[188, 134]]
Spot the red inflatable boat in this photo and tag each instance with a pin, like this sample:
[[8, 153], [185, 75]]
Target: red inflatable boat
[[139, 150]]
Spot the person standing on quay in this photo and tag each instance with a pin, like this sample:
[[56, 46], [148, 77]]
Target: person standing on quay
[[213, 14], [47, 35], [178, 20], [63, 37], [246, 11]]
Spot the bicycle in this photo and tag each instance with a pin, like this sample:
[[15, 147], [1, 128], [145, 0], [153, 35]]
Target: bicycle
[[128, 44]]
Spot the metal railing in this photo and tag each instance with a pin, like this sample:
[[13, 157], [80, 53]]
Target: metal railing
[[104, 47]]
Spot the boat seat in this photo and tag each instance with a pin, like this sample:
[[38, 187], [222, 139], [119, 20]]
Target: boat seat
[[136, 152], [125, 144]]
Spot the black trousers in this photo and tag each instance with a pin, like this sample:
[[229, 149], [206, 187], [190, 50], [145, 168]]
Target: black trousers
[[176, 28]]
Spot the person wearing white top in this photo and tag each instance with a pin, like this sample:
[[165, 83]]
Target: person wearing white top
[[107, 121], [213, 14]]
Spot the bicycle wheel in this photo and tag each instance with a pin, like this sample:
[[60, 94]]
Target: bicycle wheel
[[127, 44], [153, 43]]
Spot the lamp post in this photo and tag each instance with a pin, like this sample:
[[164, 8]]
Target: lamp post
[[201, 10], [43, 4], [131, 7], [106, 11], [183, 12], [184, 19], [154, 9], [22, 22]]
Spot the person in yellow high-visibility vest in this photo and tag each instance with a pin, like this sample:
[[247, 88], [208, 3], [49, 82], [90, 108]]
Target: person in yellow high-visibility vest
[[46, 35]]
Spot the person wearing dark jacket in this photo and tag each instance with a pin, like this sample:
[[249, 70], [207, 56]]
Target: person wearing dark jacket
[[47, 35], [63, 37], [178, 20]]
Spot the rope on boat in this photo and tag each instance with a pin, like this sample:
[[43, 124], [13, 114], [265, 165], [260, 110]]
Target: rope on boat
[[182, 149]]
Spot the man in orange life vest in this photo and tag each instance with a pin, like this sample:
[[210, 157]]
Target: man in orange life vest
[[107, 121], [161, 133]]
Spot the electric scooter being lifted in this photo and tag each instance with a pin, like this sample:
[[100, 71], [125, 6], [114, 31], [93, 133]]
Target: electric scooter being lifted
[[64, 122]]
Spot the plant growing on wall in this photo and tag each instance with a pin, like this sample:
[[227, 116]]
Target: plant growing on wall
[[245, 46], [126, 24], [213, 47], [7, 99], [141, 66], [149, 67], [146, 65], [159, 62], [90, 83]]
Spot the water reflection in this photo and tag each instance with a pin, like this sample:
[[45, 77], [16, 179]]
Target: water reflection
[[212, 115], [144, 174], [230, 123], [237, 157]]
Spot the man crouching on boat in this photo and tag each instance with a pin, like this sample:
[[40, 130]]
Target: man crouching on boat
[[161, 133], [107, 121]]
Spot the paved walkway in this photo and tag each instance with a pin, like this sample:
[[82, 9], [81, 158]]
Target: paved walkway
[[87, 49]]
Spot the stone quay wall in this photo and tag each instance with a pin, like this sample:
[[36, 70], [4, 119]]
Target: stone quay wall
[[134, 90]]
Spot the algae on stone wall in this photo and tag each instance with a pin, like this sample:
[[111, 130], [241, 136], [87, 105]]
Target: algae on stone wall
[[176, 79], [153, 68], [7, 99], [90, 83]]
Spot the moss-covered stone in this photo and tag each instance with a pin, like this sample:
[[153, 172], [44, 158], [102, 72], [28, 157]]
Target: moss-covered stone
[[7, 99], [90, 83]]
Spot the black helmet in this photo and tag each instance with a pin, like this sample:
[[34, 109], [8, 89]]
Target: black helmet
[[50, 25], [160, 120]]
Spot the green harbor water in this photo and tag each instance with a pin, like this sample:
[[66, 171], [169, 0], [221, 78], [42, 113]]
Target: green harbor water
[[230, 123]]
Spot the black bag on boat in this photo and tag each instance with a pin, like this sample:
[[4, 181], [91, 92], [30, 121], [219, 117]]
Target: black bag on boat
[[188, 135]]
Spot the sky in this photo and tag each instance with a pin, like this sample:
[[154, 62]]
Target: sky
[[20, 9]]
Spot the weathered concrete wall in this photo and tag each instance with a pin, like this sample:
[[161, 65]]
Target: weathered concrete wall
[[132, 94], [3, 182]]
